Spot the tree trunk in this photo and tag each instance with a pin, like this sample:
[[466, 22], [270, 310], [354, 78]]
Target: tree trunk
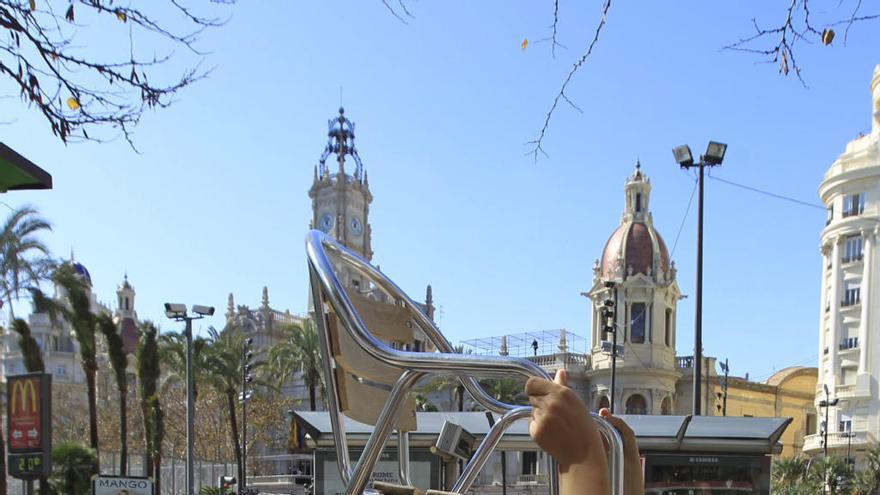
[[233, 422], [123, 432], [148, 442], [91, 376], [157, 465], [312, 388]]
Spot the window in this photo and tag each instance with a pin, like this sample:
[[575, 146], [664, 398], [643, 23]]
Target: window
[[810, 424], [603, 403], [830, 216], [638, 202], [849, 343], [637, 323], [852, 250], [851, 294], [845, 423], [636, 404], [668, 338], [666, 406], [126, 304], [529, 462], [853, 204]]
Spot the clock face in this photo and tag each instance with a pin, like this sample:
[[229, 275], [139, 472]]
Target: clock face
[[326, 223], [357, 228]]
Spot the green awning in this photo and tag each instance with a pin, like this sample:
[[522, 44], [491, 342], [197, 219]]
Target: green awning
[[17, 172]]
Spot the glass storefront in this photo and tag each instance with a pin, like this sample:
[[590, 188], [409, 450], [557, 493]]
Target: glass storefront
[[706, 474]]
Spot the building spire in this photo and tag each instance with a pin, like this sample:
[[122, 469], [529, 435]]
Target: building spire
[[230, 308], [341, 143], [265, 297]]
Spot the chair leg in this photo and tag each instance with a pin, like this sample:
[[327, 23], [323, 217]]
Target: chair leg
[[393, 407], [487, 446], [403, 457]]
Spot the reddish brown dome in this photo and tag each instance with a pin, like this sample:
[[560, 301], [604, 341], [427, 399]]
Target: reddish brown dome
[[634, 244]]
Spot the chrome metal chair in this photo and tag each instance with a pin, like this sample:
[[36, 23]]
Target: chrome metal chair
[[359, 369]]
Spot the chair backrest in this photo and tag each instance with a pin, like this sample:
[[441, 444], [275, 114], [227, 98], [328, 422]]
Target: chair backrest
[[364, 382]]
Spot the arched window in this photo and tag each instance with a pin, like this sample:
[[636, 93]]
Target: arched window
[[603, 402], [666, 406], [636, 404]]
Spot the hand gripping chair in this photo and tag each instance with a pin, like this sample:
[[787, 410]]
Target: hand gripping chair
[[370, 381]]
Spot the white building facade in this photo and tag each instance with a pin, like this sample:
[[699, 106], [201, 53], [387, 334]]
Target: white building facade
[[849, 316]]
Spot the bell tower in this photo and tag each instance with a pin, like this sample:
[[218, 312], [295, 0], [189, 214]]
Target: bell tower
[[341, 201]]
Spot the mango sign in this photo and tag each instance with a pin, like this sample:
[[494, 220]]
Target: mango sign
[[119, 485], [25, 412]]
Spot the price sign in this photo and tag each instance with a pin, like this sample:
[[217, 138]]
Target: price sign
[[28, 466], [29, 427]]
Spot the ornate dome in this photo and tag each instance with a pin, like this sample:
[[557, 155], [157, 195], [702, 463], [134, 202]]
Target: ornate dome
[[81, 270], [635, 246]]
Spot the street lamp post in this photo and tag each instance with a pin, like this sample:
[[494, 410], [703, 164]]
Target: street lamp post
[[611, 326], [246, 379], [726, 369], [714, 156], [827, 403], [177, 312]]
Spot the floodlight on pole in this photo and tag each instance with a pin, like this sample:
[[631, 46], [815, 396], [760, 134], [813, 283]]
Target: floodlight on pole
[[177, 312], [683, 155], [715, 152]]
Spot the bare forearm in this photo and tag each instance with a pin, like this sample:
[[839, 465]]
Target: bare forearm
[[585, 478]]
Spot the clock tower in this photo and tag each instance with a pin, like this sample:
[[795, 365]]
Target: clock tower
[[341, 201]]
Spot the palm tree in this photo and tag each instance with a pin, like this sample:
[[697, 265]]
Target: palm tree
[[24, 259], [172, 353], [84, 323], [72, 468], [224, 362], [148, 379], [30, 350], [792, 475], [119, 363], [299, 351], [450, 383]]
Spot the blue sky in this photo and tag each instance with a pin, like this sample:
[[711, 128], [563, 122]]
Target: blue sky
[[217, 201]]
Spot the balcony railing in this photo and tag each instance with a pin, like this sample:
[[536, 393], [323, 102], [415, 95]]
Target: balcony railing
[[849, 343], [685, 361], [532, 479], [562, 358]]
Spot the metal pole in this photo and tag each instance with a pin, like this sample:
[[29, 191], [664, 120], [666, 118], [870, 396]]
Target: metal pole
[[190, 413], [826, 422], [614, 329], [698, 323], [243, 483], [724, 399]]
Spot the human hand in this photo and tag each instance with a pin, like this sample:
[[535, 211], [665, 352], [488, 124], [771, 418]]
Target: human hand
[[562, 426], [633, 483]]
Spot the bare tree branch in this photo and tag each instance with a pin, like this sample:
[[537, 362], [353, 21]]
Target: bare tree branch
[[78, 92], [536, 143], [796, 27]]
